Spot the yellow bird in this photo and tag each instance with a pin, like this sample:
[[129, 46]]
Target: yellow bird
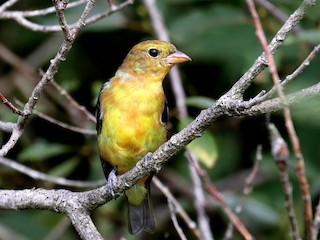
[[131, 120]]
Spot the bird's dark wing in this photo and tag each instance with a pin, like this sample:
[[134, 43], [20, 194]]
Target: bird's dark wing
[[107, 168], [165, 113], [98, 108]]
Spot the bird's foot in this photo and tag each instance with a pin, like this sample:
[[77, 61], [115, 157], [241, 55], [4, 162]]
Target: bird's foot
[[111, 180]]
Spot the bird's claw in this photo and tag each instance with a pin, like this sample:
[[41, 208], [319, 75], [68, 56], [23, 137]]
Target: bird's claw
[[111, 180]]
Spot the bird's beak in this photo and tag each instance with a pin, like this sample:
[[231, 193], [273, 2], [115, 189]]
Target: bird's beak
[[177, 57]]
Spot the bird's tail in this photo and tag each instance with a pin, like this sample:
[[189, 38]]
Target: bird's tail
[[141, 217]]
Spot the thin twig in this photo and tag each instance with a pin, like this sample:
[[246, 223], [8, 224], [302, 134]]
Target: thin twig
[[276, 12], [46, 11], [316, 222], [65, 125], [303, 183], [246, 190], [7, 4], [303, 65], [213, 191], [6, 102], [37, 12], [299, 70], [175, 221], [199, 196], [249, 180], [108, 12], [60, 7], [20, 16], [47, 178], [280, 153], [72, 101], [62, 124], [178, 208]]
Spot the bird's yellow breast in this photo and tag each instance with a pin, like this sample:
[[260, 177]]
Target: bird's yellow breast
[[131, 121]]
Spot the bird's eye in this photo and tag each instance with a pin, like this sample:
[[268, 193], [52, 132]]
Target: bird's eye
[[154, 52]]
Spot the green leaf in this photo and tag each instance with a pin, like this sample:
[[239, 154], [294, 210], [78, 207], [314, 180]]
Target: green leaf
[[200, 102], [204, 148], [41, 151]]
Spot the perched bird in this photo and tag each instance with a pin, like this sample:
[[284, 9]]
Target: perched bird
[[131, 120]]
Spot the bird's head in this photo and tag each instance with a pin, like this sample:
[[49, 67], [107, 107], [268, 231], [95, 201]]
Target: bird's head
[[152, 57]]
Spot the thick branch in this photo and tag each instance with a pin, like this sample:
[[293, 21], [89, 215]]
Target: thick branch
[[53, 200], [82, 222]]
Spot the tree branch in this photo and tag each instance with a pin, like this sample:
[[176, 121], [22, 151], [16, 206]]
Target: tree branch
[[199, 197], [46, 78], [280, 153], [303, 182], [177, 207], [21, 16], [238, 89], [52, 179], [6, 102], [246, 191]]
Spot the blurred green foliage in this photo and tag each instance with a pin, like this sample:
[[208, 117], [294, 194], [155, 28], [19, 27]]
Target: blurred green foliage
[[220, 38]]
